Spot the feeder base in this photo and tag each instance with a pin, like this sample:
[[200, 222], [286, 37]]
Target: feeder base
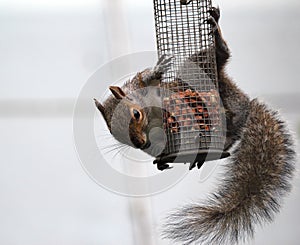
[[192, 157]]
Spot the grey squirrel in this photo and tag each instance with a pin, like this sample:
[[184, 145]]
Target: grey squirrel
[[258, 174]]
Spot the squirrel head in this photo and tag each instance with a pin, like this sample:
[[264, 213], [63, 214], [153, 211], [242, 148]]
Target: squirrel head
[[126, 119]]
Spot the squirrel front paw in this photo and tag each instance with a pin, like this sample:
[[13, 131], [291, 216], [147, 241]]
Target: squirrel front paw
[[163, 64], [152, 77]]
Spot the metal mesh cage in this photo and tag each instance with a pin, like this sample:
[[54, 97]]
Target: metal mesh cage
[[193, 116]]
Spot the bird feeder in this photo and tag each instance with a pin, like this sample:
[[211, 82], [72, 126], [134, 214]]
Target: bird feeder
[[193, 116]]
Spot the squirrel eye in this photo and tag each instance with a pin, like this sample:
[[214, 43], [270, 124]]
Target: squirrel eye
[[136, 114]]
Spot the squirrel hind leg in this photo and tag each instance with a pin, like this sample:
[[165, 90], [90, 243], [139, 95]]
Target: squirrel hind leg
[[215, 13], [222, 50]]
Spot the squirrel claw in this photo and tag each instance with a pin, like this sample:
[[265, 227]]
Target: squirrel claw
[[154, 76], [215, 13], [163, 64], [210, 20]]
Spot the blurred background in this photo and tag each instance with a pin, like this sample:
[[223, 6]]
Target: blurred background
[[48, 50]]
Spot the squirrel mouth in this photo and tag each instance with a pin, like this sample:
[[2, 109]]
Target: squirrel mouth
[[146, 145]]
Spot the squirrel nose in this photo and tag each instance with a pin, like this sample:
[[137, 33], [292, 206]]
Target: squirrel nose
[[146, 145]]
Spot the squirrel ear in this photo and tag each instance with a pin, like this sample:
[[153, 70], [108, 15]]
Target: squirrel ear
[[117, 92], [99, 106], [101, 109]]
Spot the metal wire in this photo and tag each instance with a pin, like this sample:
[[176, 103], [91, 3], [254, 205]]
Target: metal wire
[[192, 116]]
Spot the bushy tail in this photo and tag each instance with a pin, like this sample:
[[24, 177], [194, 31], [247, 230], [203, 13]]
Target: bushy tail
[[255, 180]]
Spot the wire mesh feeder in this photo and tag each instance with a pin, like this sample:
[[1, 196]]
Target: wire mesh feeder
[[193, 117]]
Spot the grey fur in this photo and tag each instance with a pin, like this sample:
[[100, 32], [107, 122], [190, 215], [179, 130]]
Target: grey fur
[[257, 175]]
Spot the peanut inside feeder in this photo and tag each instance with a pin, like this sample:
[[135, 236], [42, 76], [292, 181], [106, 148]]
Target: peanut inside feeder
[[193, 116], [189, 110]]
